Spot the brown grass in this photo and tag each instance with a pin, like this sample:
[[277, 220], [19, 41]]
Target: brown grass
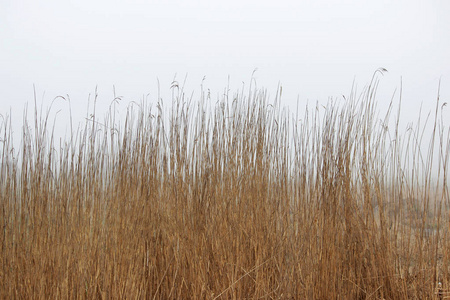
[[239, 201]]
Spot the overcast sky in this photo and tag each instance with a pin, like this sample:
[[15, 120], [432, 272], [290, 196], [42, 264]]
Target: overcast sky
[[315, 49]]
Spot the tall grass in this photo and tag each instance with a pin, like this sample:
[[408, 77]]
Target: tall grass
[[239, 199]]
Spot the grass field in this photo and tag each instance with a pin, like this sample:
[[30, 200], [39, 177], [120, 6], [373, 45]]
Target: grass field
[[238, 199]]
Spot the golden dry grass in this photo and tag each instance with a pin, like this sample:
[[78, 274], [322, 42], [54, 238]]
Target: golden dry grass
[[240, 201]]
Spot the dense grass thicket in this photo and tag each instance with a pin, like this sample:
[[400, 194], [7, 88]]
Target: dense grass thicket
[[231, 198]]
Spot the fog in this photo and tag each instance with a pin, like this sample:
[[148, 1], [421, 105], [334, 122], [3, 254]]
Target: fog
[[315, 50]]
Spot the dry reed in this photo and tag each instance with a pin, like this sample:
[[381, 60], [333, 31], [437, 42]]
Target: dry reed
[[236, 201]]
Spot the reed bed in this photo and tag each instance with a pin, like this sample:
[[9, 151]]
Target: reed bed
[[238, 199]]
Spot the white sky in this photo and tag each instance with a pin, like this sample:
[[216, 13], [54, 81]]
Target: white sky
[[315, 49]]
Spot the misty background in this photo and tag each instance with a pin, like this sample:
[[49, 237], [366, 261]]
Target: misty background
[[314, 49]]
